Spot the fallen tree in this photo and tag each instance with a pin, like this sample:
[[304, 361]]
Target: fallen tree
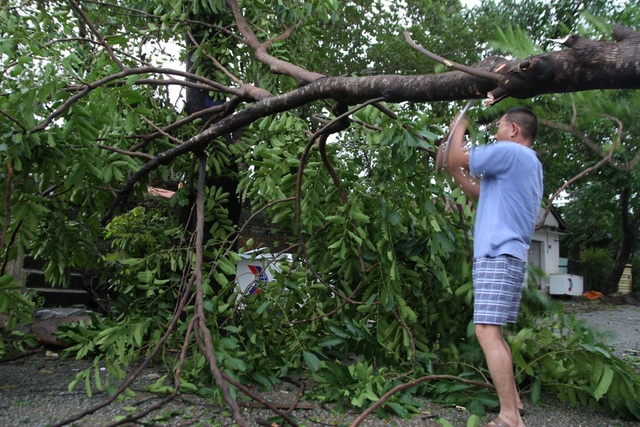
[[380, 264]]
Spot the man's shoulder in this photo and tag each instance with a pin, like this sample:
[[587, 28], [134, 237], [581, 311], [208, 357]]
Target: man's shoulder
[[513, 148], [496, 152], [498, 146]]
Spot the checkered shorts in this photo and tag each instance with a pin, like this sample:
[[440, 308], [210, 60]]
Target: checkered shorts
[[497, 287]]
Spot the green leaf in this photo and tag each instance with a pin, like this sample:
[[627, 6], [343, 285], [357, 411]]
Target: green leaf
[[96, 375], [398, 409], [605, 382], [159, 386], [131, 80], [312, 361], [226, 266], [87, 385], [473, 421], [220, 278], [335, 219], [235, 364], [393, 218], [359, 216], [138, 332], [536, 389], [263, 307], [331, 342]]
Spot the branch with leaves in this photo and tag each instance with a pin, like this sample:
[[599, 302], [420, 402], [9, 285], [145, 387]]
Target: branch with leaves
[[518, 79], [378, 253]]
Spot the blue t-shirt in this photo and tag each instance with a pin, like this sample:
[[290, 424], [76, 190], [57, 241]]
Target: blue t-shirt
[[510, 197]]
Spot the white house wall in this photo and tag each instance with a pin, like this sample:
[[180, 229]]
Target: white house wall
[[550, 247], [549, 241]]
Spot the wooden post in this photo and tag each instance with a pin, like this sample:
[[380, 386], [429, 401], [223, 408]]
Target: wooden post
[[624, 285]]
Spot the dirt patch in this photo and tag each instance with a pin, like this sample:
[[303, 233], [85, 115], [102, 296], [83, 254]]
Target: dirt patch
[[573, 305]]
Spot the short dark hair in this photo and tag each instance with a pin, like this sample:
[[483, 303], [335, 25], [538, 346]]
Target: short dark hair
[[526, 119]]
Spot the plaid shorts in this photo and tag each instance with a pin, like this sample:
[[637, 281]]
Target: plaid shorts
[[497, 288]]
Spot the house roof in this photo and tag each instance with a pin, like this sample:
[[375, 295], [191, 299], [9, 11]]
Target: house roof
[[552, 220]]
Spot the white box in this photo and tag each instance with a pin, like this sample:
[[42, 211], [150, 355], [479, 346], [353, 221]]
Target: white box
[[256, 269], [565, 284]]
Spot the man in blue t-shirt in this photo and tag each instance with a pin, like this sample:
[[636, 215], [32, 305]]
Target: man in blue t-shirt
[[506, 179]]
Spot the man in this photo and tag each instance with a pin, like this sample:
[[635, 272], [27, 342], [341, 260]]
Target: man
[[506, 179]]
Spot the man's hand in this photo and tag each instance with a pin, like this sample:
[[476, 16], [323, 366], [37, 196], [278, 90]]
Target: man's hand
[[455, 157], [457, 119]]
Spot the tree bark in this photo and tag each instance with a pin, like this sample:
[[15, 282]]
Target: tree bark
[[197, 100], [627, 244]]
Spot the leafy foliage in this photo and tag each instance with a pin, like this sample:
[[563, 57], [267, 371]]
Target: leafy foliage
[[562, 356], [544, 21], [18, 308], [378, 290], [597, 266]]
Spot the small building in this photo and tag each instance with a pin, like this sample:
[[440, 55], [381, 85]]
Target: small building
[[544, 252]]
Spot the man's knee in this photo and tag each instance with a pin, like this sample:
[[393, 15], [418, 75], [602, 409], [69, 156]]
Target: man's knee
[[488, 334]]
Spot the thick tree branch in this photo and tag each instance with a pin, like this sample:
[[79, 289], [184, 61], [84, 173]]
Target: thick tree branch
[[470, 70], [602, 65], [125, 152], [410, 384], [206, 341], [215, 112], [276, 65], [86, 89], [253, 92], [606, 159], [96, 33]]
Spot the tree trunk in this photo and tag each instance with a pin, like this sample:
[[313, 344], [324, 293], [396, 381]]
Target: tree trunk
[[198, 100], [625, 249]]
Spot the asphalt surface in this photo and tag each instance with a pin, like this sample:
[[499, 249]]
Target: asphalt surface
[[34, 392]]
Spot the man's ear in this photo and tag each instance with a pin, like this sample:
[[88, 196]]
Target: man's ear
[[516, 130]]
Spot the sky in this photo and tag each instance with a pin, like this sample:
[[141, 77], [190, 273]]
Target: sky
[[470, 3]]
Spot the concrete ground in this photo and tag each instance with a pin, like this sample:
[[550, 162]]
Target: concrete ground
[[34, 392]]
